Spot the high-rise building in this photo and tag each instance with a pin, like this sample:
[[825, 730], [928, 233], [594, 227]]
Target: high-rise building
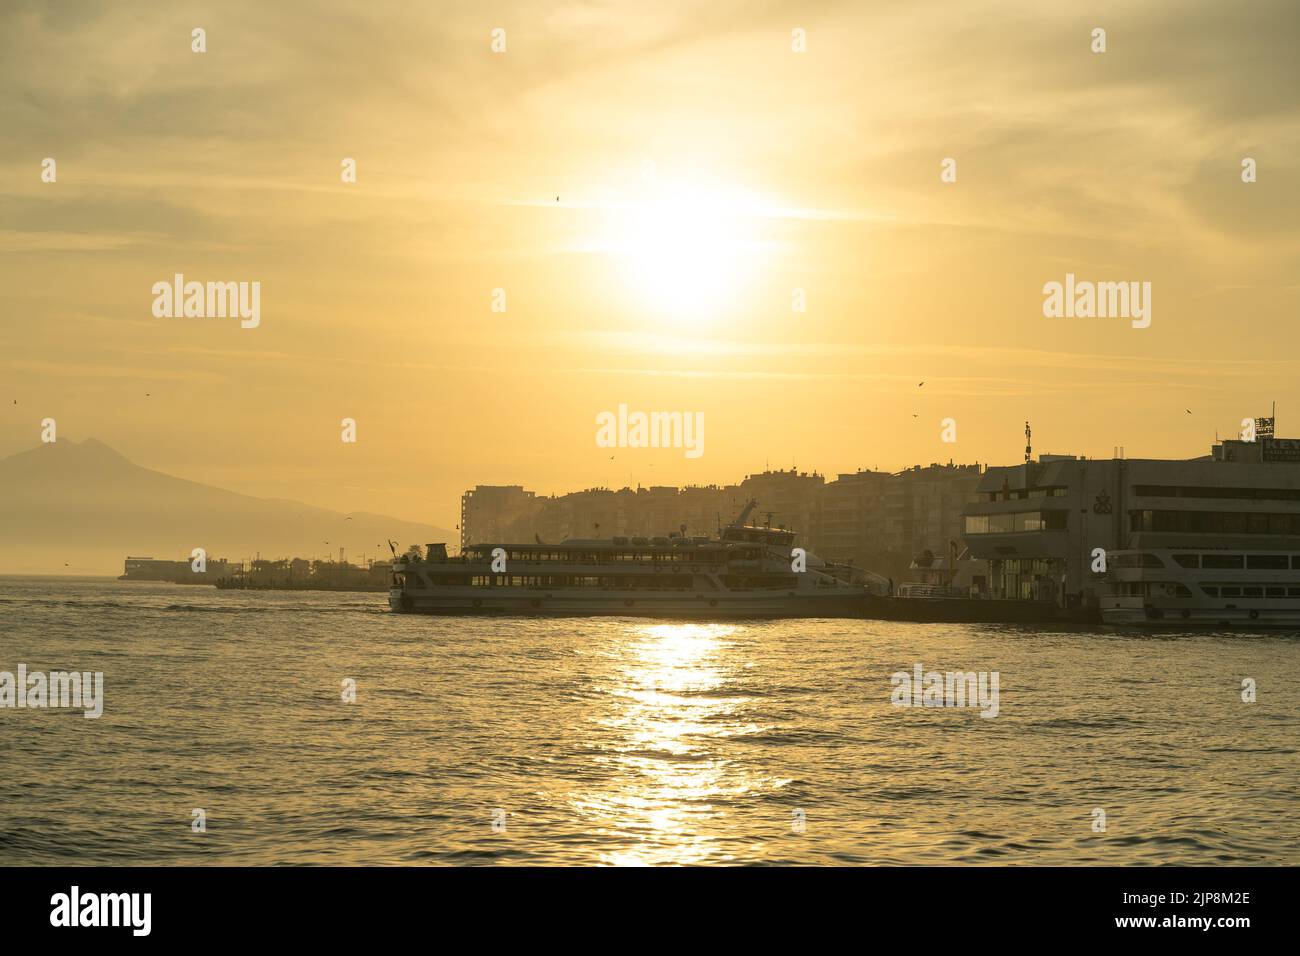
[[851, 519], [489, 510], [786, 499]]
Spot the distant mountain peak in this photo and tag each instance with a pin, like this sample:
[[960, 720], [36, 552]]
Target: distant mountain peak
[[87, 446], [90, 452], [85, 497], [98, 448]]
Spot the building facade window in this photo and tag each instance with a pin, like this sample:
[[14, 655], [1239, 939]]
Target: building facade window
[[1025, 579], [1214, 522], [1018, 521]]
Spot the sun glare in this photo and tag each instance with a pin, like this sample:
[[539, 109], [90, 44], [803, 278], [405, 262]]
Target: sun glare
[[688, 252]]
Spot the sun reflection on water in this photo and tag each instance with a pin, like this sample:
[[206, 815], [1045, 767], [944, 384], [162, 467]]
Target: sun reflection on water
[[671, 697]]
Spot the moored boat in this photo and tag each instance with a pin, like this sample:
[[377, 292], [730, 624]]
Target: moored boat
[[745, 572], [1228, 588]]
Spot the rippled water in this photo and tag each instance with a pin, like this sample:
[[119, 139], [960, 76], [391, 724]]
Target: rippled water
[[626, 741]]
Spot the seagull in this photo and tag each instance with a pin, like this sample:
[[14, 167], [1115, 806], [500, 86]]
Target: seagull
[[348, 518], [918, 386], [1188, 410]]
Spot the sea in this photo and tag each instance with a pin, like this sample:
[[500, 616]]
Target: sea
[[320, 728]]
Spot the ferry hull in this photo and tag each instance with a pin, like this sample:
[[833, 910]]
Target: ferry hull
[[1208, 618], [690, 606]]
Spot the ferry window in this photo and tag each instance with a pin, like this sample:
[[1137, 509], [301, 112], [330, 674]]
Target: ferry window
[[1295, 561], [1211, 589], [1188, 560], [1275, 592], [1252, 592], [1267, 562], [1230, 592], [1226, 561], [1293, 592]]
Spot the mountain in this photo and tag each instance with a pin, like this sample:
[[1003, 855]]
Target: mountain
[[80, 508]]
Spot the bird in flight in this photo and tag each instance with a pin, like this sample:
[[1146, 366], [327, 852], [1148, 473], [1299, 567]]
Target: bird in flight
[[920, 384]]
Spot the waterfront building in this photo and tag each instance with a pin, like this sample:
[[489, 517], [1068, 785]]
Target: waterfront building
[[1215, 538]]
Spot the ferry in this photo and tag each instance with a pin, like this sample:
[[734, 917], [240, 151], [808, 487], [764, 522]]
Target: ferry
[[745, 572], [1158, 587]]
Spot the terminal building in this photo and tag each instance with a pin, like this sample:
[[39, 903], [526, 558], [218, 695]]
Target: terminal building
[[1184, 536]]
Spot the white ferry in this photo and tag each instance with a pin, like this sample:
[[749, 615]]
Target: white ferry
[[1202, 588], [746, 572]]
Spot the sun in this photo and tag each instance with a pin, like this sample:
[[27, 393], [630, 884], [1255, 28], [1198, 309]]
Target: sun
[[688, 252]]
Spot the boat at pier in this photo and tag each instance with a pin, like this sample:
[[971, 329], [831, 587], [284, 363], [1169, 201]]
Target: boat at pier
[[1223, 588], [744, 572]]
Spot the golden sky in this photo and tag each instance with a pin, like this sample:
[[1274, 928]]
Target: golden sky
[[704, 171]]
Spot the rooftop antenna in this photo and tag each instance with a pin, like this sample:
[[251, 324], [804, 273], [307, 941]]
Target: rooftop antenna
[[1029, 450]]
